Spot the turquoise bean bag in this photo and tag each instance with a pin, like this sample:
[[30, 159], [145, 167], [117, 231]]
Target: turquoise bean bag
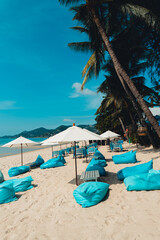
[[52, 163], [20, 184], [90, 193], [37, 163], [129, 157], [101, 162], [1, 177], [18, 170], [93, 165], [98, 155], [154, 171], [61, 158], [7, 193], [142, 182], [130, 171]]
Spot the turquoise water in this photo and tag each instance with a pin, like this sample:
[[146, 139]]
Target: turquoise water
[[5, 151]]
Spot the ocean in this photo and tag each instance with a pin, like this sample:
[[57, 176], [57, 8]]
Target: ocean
[[6, 151]]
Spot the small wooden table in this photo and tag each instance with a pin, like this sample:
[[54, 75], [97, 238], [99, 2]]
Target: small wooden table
[[90, 175]]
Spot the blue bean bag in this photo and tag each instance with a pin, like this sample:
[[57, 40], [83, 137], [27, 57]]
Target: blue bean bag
[[98, 155], [62, 153], [20, 184], [93, 165], [1, 177], [129, 157], [61, 158], [130, 171], [37, 163], [144, 181], [90, 193], [101, 162], [52, 163], [7, 193], [18, 170], [154, 171]]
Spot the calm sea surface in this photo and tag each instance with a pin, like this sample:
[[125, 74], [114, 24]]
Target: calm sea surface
[[5, 151]]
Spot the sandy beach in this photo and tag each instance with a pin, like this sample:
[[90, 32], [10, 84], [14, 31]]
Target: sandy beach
[[49, 211]]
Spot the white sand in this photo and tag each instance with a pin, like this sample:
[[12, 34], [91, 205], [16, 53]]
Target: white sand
[[49, 210]]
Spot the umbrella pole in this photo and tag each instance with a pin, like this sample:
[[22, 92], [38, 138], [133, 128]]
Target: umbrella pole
[[52, 149], [76, 164], [21, 155], [86, 150]]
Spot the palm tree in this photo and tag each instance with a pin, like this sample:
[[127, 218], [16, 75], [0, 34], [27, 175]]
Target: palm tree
[[95, 9]]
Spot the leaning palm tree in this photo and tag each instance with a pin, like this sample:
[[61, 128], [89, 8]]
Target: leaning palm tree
[[95, 10]]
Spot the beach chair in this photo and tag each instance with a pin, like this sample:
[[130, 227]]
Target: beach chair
[[80, 152], [55, 153], [116, 147], [91, 150]]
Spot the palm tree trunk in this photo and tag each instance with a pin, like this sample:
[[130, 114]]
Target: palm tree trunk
[[124, 130], [124, 75], [140, 116]]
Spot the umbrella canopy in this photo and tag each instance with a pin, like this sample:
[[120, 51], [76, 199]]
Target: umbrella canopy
[[20, 142], [74, 134], [95, 134], [109, 134]]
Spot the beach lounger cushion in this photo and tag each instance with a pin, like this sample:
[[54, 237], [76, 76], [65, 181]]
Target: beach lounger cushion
[[18, 170], [21, 184], [7, 193], [141, 182], [129, 157], [1, 177], [52, 163], [130, 171], [98, 155], [93, 165], [90, 193]]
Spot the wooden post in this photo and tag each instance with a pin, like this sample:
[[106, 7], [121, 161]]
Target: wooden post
[[52, 149], [86, 150], [76, 164], [21, 155]]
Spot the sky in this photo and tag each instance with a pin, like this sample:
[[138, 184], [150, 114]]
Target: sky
[[40, 74]]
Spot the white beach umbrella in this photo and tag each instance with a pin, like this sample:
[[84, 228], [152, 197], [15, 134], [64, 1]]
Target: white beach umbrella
[[109, 134], [92, 133], [20, 142], [74, 134]]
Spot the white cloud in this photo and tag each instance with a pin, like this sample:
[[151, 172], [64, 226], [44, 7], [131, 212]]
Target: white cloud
[[94, 103], [155, 111], [67, 120], [78, 92], [8, 105]]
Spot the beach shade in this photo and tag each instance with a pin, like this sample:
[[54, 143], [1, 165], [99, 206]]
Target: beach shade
[[20, 142], [109, 134], [74, 134]]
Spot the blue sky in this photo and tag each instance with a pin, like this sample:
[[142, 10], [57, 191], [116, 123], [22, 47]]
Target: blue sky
[[40, 75]]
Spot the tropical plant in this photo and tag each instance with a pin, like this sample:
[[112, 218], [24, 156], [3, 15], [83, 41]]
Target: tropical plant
[[95, 10]]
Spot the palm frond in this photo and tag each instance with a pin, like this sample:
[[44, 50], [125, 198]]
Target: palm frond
[[90, 63], [80, 29], [80, 46], [141, 12]]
